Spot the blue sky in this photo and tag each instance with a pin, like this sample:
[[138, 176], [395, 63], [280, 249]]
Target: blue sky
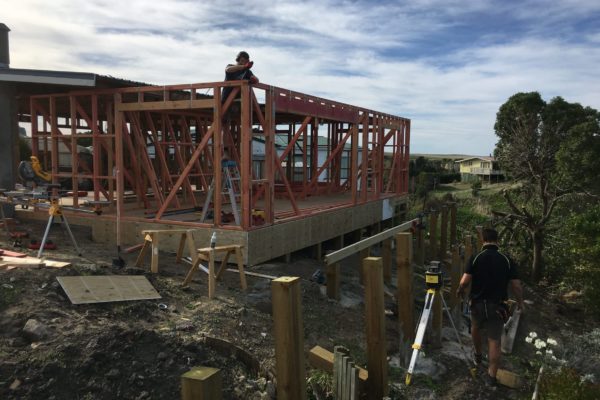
[[446, 65]]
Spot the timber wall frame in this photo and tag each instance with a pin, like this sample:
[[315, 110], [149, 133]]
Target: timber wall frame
[[189, 129]]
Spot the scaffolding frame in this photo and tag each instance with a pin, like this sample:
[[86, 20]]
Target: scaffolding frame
[[185, 131]]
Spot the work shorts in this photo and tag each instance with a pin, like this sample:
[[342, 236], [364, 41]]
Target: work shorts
[[484, 316]]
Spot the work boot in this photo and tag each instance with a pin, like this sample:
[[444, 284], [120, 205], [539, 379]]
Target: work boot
[[490, 381], [476, 359]]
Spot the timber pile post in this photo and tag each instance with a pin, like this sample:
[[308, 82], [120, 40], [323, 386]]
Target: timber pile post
[[289, 338], [421, 241], [455, 275], [433, 234], [333, 280], [453, 208], [479, 229], [202, 383], [468, 247], [386, 255], [404, 296], [377, 364], [436, 320], [443, 234]]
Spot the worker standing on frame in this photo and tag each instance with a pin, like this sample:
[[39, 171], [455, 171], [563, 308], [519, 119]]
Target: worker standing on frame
[[490, 272], [237, 72]]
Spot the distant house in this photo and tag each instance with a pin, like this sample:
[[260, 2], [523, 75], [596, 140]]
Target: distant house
[[482, 168], [281, 142]]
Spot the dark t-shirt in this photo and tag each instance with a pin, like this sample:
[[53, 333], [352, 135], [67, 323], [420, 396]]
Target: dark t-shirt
[[491, 271], [234, 76]]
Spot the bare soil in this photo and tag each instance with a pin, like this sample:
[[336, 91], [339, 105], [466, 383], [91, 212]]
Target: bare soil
[[140, 349]]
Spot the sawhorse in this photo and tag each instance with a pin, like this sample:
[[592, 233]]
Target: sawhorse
[[208, 254], [152, 239]]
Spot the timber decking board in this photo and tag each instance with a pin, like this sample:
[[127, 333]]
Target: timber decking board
[[102, 289]]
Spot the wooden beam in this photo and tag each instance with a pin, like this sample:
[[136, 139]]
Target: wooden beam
[[377, 364], [289, 338], [167, 105], [347, 251], [508, 378]]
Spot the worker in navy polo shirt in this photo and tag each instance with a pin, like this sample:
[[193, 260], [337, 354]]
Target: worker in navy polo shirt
[[489, 273]]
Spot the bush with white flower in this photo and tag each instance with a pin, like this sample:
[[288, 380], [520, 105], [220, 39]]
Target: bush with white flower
[[571, 376], [540, 345]]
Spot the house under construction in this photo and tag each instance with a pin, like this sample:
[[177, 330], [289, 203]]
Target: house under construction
[[266, 167]]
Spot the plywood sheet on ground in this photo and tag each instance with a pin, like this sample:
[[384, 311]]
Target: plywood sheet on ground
[[103, 289]]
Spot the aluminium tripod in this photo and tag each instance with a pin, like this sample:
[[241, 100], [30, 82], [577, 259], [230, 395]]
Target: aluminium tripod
[[433, 283]]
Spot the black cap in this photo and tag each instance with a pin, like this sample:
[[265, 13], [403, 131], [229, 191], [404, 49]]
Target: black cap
[[242, 54]]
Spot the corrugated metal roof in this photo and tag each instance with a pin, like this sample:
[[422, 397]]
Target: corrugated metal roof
[[64, 78]]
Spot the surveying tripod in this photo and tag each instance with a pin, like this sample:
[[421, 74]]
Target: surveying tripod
[[56, 211], [434, 284]]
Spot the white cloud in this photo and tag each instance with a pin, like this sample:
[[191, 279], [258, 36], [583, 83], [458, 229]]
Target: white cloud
[[401, 58]]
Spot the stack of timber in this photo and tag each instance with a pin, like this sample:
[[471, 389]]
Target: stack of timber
[[11, 260]]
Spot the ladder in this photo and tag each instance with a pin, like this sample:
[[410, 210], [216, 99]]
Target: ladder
[[230, 187]]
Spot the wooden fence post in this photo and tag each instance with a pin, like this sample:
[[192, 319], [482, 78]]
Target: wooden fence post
[[289, 338], [433, 234], [453, 223], [377, 364], [455, 275], [405, 297], [479, 229], [443, 234], [468, 247], [421, 243]]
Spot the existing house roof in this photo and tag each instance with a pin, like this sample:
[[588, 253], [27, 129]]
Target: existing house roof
[[63, 78], [28, 82], [492, 159]]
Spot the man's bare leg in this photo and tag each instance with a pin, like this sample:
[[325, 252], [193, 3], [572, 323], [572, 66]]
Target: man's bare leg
[[494, 356]]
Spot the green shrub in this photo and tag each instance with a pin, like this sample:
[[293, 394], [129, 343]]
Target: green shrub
[[566, 384], [476, 187]]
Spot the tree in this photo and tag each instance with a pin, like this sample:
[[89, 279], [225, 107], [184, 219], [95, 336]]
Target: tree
[[532, 133]]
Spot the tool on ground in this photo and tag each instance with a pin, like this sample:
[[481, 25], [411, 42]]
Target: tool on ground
[[434, 283], [230, 186]]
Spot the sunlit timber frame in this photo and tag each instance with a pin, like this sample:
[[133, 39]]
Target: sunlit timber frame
[[155, 150]]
